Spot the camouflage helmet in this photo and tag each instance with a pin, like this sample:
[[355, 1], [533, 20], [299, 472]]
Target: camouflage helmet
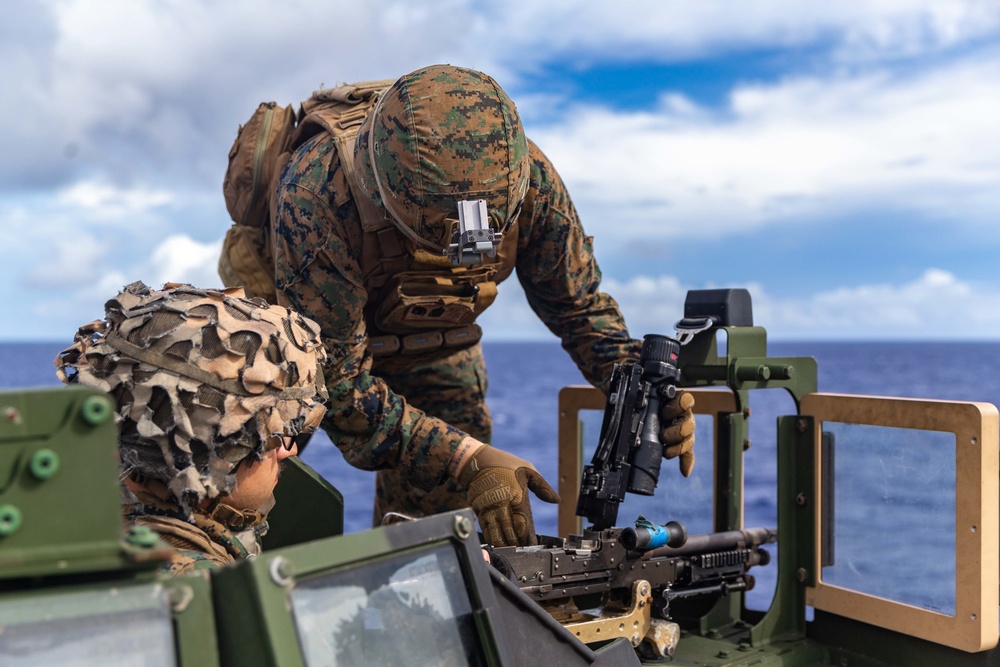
[[439, 135], [202, 380]]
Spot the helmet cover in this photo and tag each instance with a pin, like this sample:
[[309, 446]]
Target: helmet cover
[[439, 135], [202, 379]]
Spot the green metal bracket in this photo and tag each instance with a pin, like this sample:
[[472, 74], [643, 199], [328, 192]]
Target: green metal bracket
[[734, 431], [194, 621], [745, 367], [785, 620], [44, 433]]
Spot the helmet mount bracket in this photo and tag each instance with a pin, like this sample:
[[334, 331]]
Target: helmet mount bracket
[[473, 240]]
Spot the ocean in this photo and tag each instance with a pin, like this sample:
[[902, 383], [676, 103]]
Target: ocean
[[897, 484]]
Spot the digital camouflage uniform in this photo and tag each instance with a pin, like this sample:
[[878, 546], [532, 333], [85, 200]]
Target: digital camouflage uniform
[[200, 541], [199, 544], [404, 415]]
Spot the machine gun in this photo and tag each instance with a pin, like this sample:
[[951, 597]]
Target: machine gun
[[631, 576], [611, 561]]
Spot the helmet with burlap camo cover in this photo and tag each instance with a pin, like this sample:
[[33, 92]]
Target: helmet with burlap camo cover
[[437, 136], [202, 380]]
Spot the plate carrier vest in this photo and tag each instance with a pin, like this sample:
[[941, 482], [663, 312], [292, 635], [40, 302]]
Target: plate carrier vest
[[417, 301]]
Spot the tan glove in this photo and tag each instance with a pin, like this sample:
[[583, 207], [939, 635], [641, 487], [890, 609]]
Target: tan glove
[[497, 483], [677, 436]]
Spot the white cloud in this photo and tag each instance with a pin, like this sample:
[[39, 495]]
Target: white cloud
[[107, 202], [70, 263], [902, 28], [82, 301], [927, 143], [124, 113], [71, 288], [181, 259], [672, 30], [124, 91], [129, 85], [935, 305]]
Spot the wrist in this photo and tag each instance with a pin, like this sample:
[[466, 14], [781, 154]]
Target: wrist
[[466, 450]]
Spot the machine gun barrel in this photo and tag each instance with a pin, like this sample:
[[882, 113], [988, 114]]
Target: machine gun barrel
[[724, 541]]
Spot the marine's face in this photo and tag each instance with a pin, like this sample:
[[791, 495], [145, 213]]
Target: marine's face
[[255, 482]]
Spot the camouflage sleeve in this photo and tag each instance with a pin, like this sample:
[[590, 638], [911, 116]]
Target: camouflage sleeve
[[318, 240], [556, 267]]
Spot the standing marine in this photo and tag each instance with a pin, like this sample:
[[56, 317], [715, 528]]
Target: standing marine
[[211, 389], [395, 239]]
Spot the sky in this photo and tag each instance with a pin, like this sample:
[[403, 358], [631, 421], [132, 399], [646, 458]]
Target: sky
[[839, 160]]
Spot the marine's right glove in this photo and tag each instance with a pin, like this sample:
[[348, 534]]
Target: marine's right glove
[[677, 436], [497, 483]]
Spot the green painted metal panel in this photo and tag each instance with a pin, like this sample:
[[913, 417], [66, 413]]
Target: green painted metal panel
[[70, 515]]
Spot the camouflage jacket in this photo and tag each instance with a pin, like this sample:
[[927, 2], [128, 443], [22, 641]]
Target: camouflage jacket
[[318, 236], [204, 544]]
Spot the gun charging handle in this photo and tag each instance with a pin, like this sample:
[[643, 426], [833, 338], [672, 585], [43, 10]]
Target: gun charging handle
[[658, 360]]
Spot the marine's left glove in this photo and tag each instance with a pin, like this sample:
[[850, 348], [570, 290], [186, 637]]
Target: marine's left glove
[[677, 434], [497, 483]]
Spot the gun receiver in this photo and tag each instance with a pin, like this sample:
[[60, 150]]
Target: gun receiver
[[600, 562], [629, 452]]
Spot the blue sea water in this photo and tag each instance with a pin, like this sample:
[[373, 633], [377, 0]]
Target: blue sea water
[[879, 490]]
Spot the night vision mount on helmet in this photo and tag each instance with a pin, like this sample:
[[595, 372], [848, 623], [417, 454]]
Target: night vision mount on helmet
[[474, 240]]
